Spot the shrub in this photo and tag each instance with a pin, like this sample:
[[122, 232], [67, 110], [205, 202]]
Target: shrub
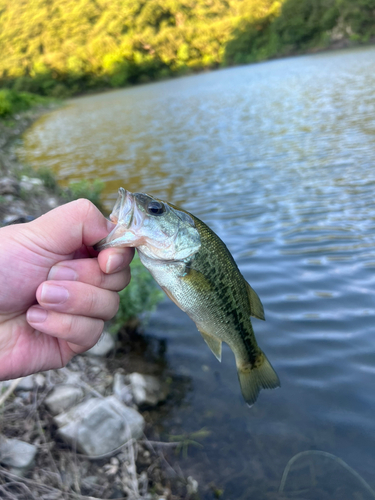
[[91, 190], [139, 297], [13, 102]]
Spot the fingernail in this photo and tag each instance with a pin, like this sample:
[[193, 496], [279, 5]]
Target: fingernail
[[115, 263], [60, 272], [36, 315], [54, 294]]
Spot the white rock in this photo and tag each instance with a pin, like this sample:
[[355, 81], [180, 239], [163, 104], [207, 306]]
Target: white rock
[[25, 384], [52, 202], [121, 390], [29, 183], [147, 389], [192, 486], [99, 426], [105, 345], [63, 397], [8, 186], [40, 380], [16, 453]]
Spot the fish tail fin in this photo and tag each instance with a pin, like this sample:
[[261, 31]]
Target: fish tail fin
[[256, 376]]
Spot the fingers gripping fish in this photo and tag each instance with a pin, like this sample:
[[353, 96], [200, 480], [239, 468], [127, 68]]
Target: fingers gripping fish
[[196, 270]]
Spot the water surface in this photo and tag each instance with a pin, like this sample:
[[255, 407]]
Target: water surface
[[278, 158]]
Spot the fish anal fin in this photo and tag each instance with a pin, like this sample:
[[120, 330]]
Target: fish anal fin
[[213, 344], [256, 306]]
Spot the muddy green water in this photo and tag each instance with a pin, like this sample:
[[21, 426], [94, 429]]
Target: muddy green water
[[278, 158]]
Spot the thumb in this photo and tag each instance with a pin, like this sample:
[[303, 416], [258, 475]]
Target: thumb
[[68, 227]]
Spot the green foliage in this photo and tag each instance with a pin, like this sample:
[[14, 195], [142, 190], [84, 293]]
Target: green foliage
[[140, 296], [48, 178], [186, 440], [358, 18], [302, 23], [12, 102], [64, 47], [253, 38], [86, 189]]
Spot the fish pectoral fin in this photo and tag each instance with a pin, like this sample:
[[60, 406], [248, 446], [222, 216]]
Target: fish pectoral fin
[[213, 344], [256, 306], [169, 295], [200, 282]]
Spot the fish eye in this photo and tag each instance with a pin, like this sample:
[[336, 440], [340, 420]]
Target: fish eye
[[155, 208]]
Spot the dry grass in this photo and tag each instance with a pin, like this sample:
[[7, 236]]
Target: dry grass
[[136, 470]]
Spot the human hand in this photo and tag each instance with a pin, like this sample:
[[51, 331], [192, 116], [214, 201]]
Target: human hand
[[54, 296]]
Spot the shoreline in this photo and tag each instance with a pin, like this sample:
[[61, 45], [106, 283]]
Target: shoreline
[[23, 192]]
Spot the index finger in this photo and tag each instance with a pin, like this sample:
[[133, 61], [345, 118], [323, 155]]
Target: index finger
[[65, 229]]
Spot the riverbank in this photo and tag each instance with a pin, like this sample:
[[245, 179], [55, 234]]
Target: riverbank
[[23, 192], [121, 386]]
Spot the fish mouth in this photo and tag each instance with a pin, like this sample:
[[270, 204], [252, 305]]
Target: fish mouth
[[124, 215]]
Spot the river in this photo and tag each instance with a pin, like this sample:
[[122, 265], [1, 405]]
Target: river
[[278, 158]]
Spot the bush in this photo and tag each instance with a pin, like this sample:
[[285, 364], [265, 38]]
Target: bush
[[13, 102], [48, 178], [91, 190], [140, 296]]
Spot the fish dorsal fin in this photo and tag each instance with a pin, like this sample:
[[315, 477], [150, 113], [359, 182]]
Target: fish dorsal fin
[[256, 306], [213, 344]]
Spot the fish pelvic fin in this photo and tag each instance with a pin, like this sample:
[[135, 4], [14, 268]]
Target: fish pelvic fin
[[214, 344], [253, 378], [256, 307]]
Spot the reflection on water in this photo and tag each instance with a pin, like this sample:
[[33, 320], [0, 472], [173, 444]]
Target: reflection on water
[[278, 158]]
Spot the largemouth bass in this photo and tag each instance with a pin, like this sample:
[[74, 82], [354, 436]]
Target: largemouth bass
[[196, 270]]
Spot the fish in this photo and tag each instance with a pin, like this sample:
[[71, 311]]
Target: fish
[[198, 273]]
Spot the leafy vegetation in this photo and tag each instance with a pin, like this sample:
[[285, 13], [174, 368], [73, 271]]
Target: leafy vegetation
[[139, 297], [64, 47], [91, 190], [12, 102]]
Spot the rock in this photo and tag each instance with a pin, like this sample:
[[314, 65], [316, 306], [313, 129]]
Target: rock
[[25, 384], [105, 345], [9, 186], [63, 397], [17, 454], [121, 390], [52, 202], [40, 380], [99, 426], [192, 486], [30, 183], [147, 389], [89, 485]]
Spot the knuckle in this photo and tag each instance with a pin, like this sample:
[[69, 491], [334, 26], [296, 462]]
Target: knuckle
[[67, 324], [114, 305], [103, 280], [96, 329], [127, 278], [102, 304]]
